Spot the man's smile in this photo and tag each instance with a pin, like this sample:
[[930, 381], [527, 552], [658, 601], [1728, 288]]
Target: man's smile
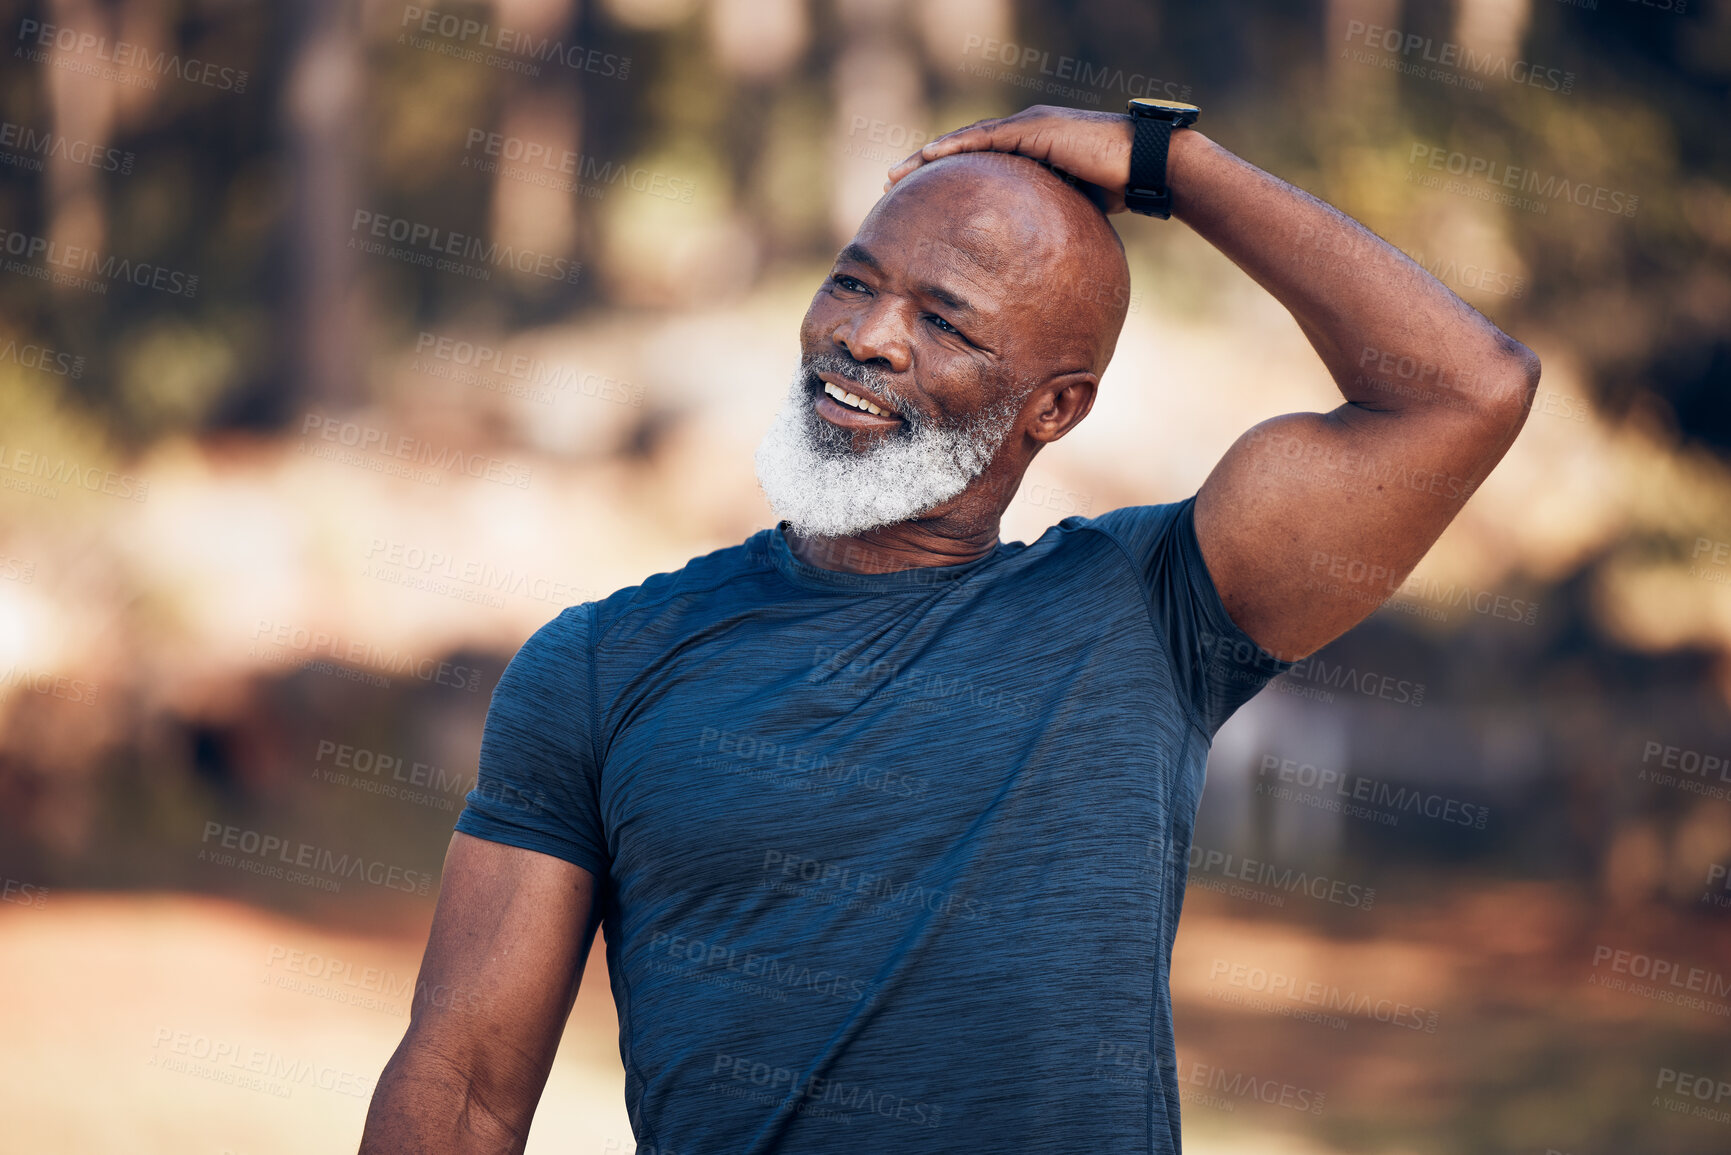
[[846, 404]]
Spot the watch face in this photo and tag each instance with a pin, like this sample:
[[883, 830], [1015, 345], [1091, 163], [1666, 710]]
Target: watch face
[[1150, 105]]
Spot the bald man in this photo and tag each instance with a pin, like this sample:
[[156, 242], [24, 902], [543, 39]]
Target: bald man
[[887, 820]]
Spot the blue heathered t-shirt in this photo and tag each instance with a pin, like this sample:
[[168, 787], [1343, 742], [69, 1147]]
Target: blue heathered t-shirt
[[889, 862]]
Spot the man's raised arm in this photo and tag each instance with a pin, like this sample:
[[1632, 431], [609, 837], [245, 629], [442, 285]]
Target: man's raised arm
[[1311, 520], [510, 935]]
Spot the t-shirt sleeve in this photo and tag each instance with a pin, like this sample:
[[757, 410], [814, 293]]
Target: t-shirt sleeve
[[1217, 666], [539, 785]]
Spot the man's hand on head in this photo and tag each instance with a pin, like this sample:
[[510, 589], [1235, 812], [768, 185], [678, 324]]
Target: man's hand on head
[[1093, 147]]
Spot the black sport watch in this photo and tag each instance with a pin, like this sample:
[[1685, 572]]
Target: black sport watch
[[1154, 122]]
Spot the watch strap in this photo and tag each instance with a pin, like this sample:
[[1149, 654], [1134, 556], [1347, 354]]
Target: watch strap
[[1148, 147], [1146, 191]]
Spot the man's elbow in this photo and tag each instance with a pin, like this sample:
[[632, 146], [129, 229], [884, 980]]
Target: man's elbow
[[431, 1096], [1514, 378], [1497, 391]]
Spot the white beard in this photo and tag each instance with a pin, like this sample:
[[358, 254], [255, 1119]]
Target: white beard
[[815, 480]]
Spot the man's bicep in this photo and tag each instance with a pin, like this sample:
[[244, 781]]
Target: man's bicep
[[1311, 520], [510, 935]]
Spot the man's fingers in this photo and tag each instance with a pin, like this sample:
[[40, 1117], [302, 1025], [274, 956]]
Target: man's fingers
[[985, 136], [933, 149]]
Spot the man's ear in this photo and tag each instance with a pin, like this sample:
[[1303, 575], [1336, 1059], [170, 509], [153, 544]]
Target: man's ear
[[1061, 403]]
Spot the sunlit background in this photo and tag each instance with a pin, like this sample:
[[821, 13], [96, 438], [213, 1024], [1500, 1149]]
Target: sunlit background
[[344, 342]]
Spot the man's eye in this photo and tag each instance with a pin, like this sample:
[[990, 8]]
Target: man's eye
[[848, 283], [943, 324]]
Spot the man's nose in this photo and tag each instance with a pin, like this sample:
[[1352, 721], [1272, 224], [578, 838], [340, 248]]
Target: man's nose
[[876, 334]]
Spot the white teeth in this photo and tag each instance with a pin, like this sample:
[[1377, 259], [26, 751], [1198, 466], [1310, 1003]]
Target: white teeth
[[852, 399]]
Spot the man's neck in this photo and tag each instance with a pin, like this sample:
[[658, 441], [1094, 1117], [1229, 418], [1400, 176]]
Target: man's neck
[[905, 545]]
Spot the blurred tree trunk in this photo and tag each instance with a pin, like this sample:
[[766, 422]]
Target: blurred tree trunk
[[322, 110], [83, 111]]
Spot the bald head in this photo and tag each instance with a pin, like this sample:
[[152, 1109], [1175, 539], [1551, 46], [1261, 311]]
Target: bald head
[[1015, 220]]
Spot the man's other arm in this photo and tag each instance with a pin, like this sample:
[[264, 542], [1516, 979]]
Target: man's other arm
[[510, 936], [1312, 520]]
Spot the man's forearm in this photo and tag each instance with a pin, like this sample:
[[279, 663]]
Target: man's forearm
[[1363, 304]]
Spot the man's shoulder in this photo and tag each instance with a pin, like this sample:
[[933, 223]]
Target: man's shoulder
[[719, 570], [1134, 528]]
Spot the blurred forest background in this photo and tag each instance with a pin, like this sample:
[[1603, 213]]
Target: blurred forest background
[[344, 342]]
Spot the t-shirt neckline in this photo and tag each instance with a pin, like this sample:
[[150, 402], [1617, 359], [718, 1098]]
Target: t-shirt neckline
[[816, 577]]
